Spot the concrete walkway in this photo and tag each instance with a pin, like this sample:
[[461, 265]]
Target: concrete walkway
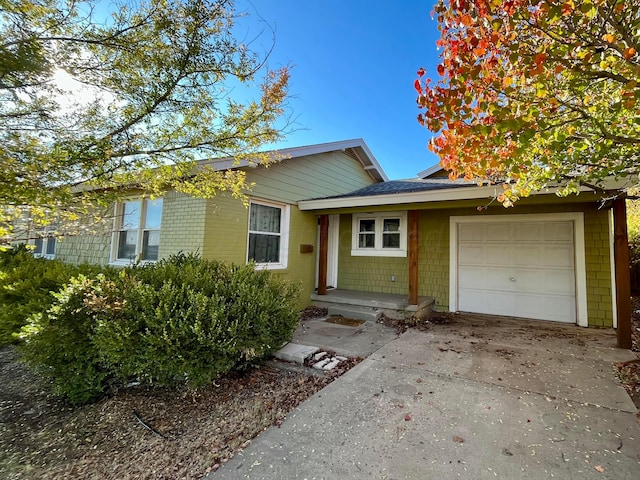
[[476, 399]]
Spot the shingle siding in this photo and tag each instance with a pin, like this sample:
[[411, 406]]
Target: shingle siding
[[373, 273]]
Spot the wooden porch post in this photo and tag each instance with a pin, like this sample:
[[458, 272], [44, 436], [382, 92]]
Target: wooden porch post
[[623, 281], [413, 256], [323, 253]]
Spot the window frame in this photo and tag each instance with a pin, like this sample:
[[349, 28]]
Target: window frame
[[141, 229], [283, 254], [378, 250], [46, 241]]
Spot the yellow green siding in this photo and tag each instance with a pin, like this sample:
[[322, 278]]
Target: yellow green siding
[[183, 220], [374, 273], [314, 176], [77, 249]]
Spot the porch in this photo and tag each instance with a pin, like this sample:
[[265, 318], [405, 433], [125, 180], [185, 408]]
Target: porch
[[371, 305]]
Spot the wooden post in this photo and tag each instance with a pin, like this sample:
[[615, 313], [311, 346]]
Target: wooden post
[[623, 279], [323, 254], [413, 256]]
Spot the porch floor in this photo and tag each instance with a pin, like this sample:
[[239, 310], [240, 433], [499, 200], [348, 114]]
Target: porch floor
[[391, 303]]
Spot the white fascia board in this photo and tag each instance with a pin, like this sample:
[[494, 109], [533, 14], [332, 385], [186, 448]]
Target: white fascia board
[[430, 171], [294, 152], [448, 194], [460, 193]]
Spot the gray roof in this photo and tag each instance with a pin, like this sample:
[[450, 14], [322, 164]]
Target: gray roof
[[405, 186]]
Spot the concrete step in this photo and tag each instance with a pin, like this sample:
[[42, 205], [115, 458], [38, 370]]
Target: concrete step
[[354, 311], [292, 352]]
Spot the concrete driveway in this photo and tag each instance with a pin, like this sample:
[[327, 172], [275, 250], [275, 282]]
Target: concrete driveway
[[478, 398]]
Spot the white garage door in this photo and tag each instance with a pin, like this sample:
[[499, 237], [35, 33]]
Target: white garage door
[[517, 268]]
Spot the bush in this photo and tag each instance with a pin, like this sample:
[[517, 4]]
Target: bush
[[180, 321], [189, 320], [26, 284], [59, 343]]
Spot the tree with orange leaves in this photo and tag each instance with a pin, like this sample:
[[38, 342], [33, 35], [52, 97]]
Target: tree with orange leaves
[[536, 93]]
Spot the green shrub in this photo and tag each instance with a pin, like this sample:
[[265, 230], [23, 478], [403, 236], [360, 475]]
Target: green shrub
[[59, 342], [190, 320], [180, 321], [26, 284]]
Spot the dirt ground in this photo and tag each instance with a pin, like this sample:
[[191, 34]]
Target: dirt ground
[[141, 433], [162, 434]]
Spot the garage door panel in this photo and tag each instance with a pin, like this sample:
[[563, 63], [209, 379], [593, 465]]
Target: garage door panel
[[559, 256], [527, 232], [558, 232], [559, 282], [488, 302], [496, 232], [469, 232], [496, 255], [522, 255], [554, 308], [520, 268], [472, 254]]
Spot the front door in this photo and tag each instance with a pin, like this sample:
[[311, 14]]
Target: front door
[[332, 253]]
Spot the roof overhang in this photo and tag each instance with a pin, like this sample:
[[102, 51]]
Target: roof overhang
[[356, 148], [470, 192]]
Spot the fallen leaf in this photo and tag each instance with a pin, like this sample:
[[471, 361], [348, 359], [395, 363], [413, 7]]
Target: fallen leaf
[[599, 468], [407, 418], [458, 439], [419, 380]]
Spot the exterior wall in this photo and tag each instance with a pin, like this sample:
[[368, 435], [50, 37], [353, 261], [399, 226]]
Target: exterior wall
[[183, 220], [84, 249], [314, 176], [226, 237], [373, 273], [369, 274]]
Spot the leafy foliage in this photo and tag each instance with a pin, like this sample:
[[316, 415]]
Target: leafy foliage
[[129, 92], [181, 321], [536, 92], [26, 284], [59, 343]]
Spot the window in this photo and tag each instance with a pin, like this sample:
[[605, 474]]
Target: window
[[44, 247], [137, 235], [268, 234], [381, 234]]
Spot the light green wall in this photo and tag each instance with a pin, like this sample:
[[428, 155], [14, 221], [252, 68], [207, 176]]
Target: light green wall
[[218, 228], [183, 220], [313, 176], [226, 237], [78, 249], [374, 273]]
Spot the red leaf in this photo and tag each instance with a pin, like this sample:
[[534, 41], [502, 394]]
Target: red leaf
[[417, 86], [441, 70], [421, 71]]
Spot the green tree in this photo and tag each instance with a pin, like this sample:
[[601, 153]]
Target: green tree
[[152, 84], [536, 92]]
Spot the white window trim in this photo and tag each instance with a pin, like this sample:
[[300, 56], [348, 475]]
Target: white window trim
[[378, 251], [45, 244], [284, 235], [117, 219]]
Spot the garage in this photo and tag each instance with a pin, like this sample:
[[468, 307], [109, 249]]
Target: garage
[[520, 266]]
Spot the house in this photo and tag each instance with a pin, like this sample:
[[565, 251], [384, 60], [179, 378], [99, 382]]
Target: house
[[328, 217], [547, 258], [272, 231]]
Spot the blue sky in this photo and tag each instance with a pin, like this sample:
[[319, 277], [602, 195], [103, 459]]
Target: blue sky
[[354, 64]]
